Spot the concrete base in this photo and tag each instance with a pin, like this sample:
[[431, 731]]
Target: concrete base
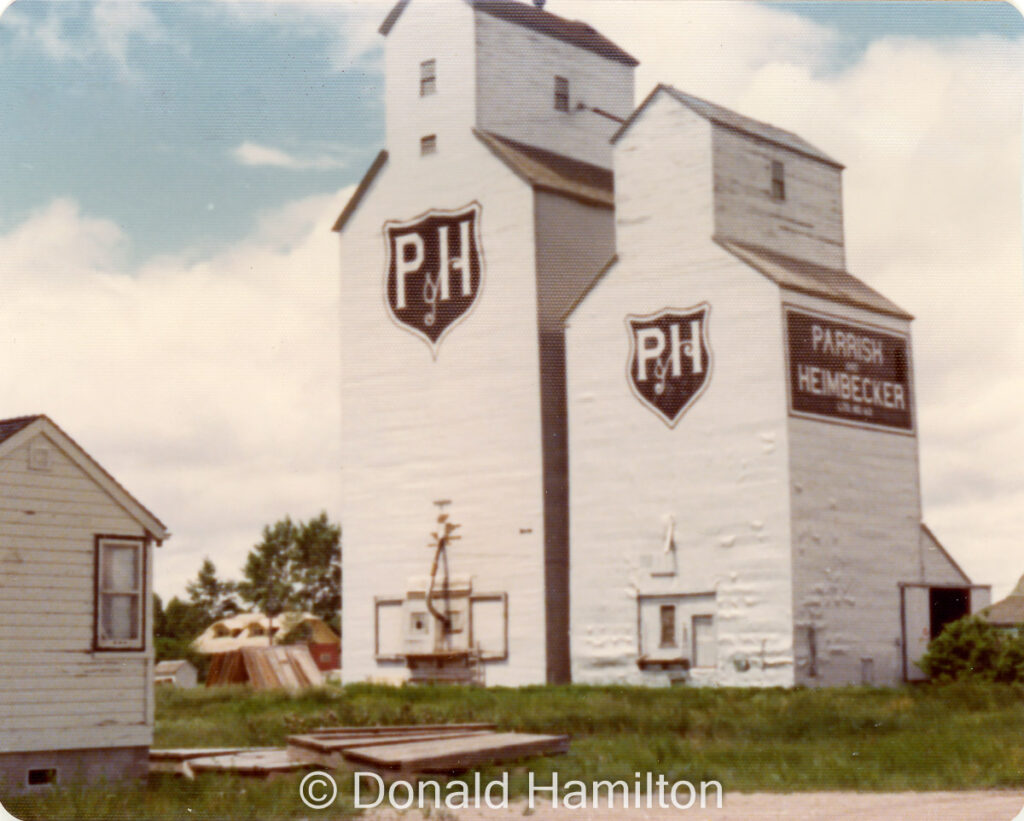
[[40, 770]]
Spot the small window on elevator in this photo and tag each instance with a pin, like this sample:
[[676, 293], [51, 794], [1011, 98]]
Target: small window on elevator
[[428, 145], [428, 78], [561, 94], [668, 625], [778, 180]]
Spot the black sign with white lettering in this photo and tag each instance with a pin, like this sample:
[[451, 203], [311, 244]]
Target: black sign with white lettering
[[669, 359], [434, 271], [849, 372]]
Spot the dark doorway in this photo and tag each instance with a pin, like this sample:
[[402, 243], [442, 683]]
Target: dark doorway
[[948, 604]]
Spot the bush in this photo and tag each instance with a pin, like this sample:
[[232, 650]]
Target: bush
[[971, 649]]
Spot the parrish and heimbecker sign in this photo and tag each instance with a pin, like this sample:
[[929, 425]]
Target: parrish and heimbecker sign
[[846, 371], [434, 271]]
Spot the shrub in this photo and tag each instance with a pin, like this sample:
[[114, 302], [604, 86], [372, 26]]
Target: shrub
[[971, 649]]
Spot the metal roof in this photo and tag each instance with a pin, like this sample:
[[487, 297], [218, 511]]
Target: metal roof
[[809, 278], [522, 14], [549, 171], [736, 122]]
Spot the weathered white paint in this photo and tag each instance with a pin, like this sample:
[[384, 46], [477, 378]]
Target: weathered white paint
[[464, 427], [721, 473], [807, 224], [57, 693], [516, 70]]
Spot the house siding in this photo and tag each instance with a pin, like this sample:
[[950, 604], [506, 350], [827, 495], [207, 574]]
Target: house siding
[[57, 692]]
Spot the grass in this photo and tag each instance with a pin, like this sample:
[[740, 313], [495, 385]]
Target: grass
[[951, 738]]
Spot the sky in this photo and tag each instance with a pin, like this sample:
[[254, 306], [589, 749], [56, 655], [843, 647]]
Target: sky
[[169, 281]]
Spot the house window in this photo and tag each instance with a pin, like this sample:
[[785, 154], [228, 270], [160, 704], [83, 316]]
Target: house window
[[120, 599], [668, 625], [561, 94], [428, 78], [778, 180], [428, 144]]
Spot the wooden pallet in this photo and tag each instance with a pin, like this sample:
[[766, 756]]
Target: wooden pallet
[[175, 761]]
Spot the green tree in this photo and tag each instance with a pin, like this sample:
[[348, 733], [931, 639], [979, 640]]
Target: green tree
[[296, 566], [212, 598], [971, 649]]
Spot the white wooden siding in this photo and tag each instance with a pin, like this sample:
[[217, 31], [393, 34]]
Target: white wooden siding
[[464, 427], [516, 70], [721, 472], [56, 692], [856, 533], [429, 31], [807, 224]]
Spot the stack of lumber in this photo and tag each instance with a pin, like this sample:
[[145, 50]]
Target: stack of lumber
[[266, 668], [262, 762], [436, 748]]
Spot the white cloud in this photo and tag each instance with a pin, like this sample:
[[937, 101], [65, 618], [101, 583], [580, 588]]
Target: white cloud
[[208, 388], [254, 154]]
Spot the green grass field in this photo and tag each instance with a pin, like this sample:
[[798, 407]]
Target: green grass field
[[927, 738]]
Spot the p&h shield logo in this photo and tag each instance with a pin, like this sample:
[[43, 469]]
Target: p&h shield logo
[[435, 270], [669, 359]]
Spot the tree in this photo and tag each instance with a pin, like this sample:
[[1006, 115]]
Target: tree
[[212, 598], [972, 649], [297, 566]]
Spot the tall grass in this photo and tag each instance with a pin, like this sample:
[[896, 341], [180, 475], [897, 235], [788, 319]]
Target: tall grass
[[951, 737]]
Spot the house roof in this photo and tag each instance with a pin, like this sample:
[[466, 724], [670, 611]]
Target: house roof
[[15, 430], [809, 278], [522, 14], [553, 172], [253, 630], [1009, 611], [9, 427], [169, 668], [736, 122]]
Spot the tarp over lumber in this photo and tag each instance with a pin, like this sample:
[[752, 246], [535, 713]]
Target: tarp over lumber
[[266, 668]]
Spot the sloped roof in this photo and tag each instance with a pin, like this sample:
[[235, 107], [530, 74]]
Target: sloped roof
[[809, 278], [361, 189], [522, 14], [930, 541], [236, 632], [1009, 611], [737, 122], [10, 429], [169, 668], [553, 172]]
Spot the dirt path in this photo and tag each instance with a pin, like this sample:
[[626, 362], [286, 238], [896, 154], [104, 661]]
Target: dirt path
[[818, 806]]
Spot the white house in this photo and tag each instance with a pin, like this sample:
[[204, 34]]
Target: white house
[[76, 653], [178, 673], [622, 351]]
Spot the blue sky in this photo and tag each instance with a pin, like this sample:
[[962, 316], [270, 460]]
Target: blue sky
[[171, 170]]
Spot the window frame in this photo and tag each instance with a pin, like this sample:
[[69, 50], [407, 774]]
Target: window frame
[[561, 101], [778, 184], [428, 77], [100, 642]]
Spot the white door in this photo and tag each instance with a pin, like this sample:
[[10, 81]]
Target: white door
[[704, 650], [917, 631]]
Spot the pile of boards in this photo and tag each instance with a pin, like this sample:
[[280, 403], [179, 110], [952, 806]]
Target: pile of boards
[[266, 668], [423, 748]]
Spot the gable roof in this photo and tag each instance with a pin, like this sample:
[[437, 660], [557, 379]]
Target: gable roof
[[361, 189], [573, 32], [17, 430], [549, 171], [929, 539], [813, 279], [1008, 611], [737, 122]]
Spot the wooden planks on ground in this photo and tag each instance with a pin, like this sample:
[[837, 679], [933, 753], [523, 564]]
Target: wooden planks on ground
[[420, 748], [266, 668], [453, 754], [259, 763], [172, 761]]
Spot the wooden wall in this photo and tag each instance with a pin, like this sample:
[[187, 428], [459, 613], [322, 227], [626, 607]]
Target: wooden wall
[[516, 68], [720, 473], [55, 691]]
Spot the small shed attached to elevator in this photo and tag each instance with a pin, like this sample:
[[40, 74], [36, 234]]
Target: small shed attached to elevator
[[76, 651]]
